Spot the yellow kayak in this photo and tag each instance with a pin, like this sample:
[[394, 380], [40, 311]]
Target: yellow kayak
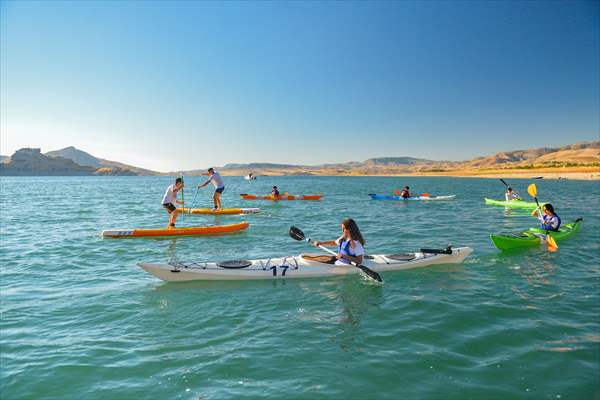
[[223, 211]]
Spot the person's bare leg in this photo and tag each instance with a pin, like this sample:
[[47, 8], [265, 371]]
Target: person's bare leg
[[173, 219]]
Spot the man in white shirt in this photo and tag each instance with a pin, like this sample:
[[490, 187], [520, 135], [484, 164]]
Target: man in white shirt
[[511, 194], [217, 181], [170, 200]]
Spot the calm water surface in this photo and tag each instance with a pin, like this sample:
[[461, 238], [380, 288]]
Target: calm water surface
[[79, 320]]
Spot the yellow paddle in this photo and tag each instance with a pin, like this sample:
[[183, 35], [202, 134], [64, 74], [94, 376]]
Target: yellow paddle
[[550, 242]]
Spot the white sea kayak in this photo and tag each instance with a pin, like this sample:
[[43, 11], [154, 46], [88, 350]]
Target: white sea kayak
[[301, 266]]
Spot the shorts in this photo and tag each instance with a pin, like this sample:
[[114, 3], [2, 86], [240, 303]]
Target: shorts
[[170, 207], [220, 190]]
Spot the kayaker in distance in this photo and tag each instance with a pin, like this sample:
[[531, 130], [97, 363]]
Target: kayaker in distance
[[350, 244], [511, 194], [170, 199], [550, 221], [405, 194], [275, 191], [217, 181]]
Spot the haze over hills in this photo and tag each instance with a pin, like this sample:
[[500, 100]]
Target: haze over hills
[[82, 158], [583, 154], [579, 155]]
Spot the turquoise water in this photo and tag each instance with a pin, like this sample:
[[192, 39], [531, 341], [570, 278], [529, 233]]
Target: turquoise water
[[79, 320]]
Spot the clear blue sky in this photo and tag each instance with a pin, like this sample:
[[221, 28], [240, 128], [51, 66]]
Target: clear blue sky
[[183, 85]]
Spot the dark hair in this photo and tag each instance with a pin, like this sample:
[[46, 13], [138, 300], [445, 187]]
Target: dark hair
[[211, 170], [355, 234], [509, 188], [549, 207], [274, 187], [406, 187], [178, 180]]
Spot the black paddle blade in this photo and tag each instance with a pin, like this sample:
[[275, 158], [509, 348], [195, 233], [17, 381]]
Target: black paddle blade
[[370, 273], [296, 233], [447, 250]]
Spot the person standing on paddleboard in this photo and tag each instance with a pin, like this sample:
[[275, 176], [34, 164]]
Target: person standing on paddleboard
[[511, 194], [170, 199], [349, 245], [217, 181]]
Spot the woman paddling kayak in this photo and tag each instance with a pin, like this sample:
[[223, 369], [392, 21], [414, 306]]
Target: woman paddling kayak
[[550, 220], [350, 244]]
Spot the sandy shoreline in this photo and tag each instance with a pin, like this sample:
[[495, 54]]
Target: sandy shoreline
[[576, 173]]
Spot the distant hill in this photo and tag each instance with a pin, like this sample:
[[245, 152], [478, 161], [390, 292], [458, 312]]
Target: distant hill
[[77, 156], [578, 153], [72, 161], [31, 162], [82, 158], [393, 161]]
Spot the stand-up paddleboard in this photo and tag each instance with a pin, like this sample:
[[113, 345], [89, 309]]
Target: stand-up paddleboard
[[223, 211], [187, 231], [302, 266], [246, 196], [415, 198]]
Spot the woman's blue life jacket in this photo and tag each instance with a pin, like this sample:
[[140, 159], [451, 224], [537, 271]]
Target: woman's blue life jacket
[[345, 248], [546, 223]]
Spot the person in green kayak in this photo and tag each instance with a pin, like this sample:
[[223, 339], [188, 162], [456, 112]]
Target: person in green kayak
[[349, 245], [511, 194], [217, 181], [549, 219], [170, 200]]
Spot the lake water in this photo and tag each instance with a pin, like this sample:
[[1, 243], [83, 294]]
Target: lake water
[[79, 319]]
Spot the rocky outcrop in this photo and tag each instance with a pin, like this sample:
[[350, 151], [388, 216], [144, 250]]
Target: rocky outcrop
[[33, 163]]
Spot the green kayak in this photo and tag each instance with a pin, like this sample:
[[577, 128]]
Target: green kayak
[[512, 203], [533, 237]]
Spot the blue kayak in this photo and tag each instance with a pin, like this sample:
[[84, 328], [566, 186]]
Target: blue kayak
[[415, 198]]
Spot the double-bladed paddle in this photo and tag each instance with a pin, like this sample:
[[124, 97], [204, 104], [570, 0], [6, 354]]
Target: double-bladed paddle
[[297, 234], [550, 242]]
